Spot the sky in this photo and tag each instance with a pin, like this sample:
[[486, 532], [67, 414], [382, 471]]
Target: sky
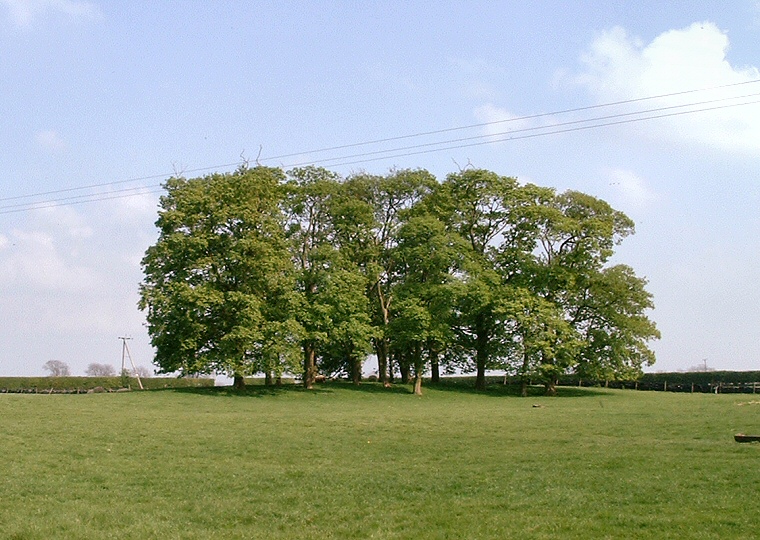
[[652, 106]]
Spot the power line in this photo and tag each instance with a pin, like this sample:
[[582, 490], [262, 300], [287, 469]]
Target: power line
[[534, 135], [113, 183], [53, 203], [401, 151], [372, 156], [516, 119], [82, 198], [534, 128], [388, 139]]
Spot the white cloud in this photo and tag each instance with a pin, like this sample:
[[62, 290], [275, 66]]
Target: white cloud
[[51, 141], [25, 12], [64, 221], [35, 262], [139, 207], [618, 66], [500, 121], [631, 189], [69, 280]]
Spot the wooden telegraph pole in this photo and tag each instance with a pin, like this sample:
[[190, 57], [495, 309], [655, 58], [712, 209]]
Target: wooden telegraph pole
[[124, 354]]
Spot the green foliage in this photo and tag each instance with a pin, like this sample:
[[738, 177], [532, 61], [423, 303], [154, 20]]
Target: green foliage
[[424, 261], [324, 230], [263, 271], [611, 315], [218, 283], [487, 212]]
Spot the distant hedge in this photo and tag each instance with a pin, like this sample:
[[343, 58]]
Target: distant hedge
[[681, 381], [682, 377], [702, 377], [42, 384]]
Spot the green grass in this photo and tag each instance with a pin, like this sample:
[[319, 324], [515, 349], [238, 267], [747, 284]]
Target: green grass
[[370, 463]]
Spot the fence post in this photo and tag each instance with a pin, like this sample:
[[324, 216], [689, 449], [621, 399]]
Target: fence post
[[665, 386]]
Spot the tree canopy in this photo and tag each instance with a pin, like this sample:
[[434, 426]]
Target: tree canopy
[[268, 271]]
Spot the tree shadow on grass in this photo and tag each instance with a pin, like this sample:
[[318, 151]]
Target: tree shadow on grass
[[497, 389], [250, 391], [462, 385], [367, 387]]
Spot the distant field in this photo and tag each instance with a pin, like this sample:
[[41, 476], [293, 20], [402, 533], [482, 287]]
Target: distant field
[[341, 462]]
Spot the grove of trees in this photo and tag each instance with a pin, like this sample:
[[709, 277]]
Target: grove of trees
[[302, 272], [100, 370], [57, 368]]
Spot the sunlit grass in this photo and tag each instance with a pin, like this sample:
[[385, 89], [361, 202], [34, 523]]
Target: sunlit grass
[[370, 463]]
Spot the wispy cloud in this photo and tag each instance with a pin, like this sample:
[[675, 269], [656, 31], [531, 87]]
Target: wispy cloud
[[37, 262], [631, 189], [501, 121], [25, 12], [51, 141], [618, 66]]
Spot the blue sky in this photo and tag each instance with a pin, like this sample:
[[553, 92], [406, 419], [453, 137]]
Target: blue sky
[[100, 92]]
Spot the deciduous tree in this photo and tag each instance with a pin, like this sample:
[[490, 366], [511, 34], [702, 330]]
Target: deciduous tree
[[219, 278], [100, 370], [387, 199], [57, 368], [486, 211]]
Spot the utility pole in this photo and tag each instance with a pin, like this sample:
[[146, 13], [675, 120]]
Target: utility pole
[[124, 354]]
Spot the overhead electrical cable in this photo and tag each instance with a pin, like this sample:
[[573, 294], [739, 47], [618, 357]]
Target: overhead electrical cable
[[515, 119], [388, 139], [102, 197], [113, 183], [533, 128], [87, 197], [534, 135], [406, 150]]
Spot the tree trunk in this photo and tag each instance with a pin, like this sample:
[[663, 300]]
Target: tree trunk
[[381, 349], [419, 369], [480, 377], [356, 370], [384, 366], [524, 375], [309, 366], [551, 386], [481, 355], [238, 382], [405, 369], [418, 384], [268, 378], [435, 369]]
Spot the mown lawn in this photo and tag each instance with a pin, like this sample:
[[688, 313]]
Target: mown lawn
[[371, 463]]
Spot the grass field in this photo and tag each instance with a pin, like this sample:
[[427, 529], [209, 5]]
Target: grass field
[[341, 462]]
